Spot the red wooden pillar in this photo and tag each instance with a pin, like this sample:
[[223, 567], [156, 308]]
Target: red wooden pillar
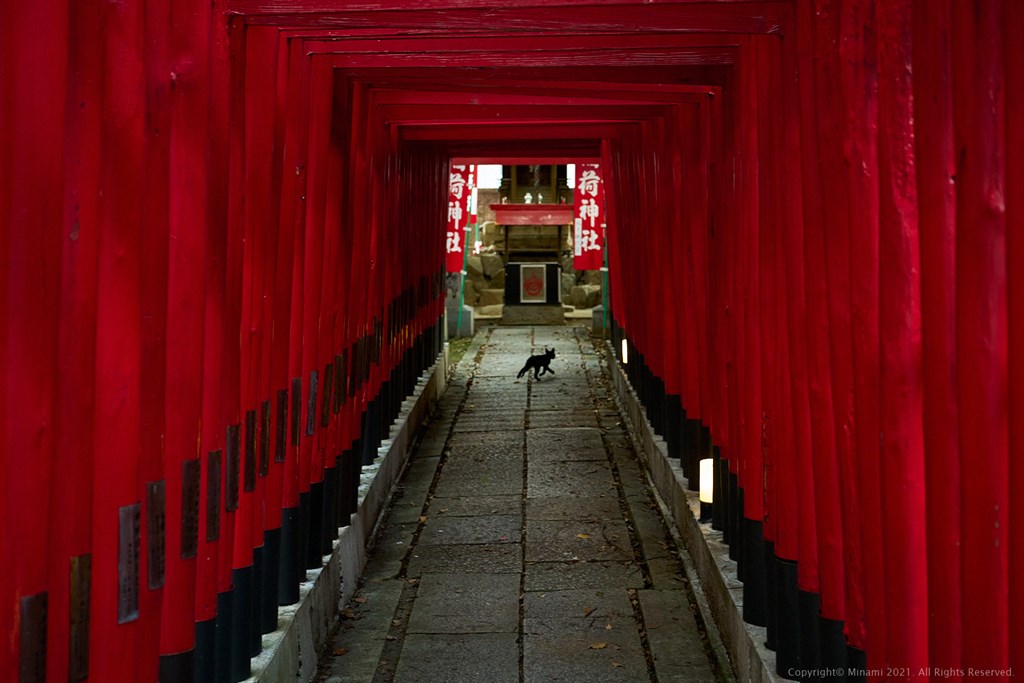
[[8, 601], [152, 484], [116, 512], [311, 460], [900, 323], [231, 661], [212, 522], [828, 518], [981, 323], [292, 190], [186, 293], [935, 169], [1013, 25], [749, 345], [69, 568], [273, 56], [33, 176], [798, 535]]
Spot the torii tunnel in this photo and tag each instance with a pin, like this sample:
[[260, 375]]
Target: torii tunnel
[[223, 253]]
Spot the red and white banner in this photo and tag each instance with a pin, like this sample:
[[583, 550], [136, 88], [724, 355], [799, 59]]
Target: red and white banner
[[588, 239], [461, 183]]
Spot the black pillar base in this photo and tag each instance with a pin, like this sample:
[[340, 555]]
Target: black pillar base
[[287, 578], [772, 632], [691, 454], [177, 668], [787, 642], [241, 623], [255, 632], [674, 421], [810, 650], [735, 513], [720, 499], [755, 604], [833, 649], [856, 664], [304, 506], [271, 580], [330, 516], [222, 663], [206, 651], [315, 530]]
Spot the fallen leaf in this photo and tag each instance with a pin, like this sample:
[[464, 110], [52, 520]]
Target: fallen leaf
[[423, 518], [607, 627], [341, 651], [584, 536], [359, 600], [598, 646], [396, 622], [348, 614], [390, 637], [588, 610], [617, 665], [412, 582]]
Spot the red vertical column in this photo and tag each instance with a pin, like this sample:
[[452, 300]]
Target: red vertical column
[[33, 178], [854, 306], [116, 518], [152, 486], [1013, 25], [981, 319], [311, 479], [826, 472], [8, 602], [292, 189], [188, 187], [808, 582], [212, 445], [749, 347], [231, 660], [935, 170], [902, 444], [69, 568]]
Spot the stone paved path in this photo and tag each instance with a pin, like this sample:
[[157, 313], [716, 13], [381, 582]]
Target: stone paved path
[[523, 544]]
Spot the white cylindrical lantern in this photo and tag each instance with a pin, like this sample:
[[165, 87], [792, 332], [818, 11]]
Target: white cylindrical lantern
[[707, 479], [625, 352]]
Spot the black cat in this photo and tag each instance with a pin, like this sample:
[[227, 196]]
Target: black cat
[[540, 364]]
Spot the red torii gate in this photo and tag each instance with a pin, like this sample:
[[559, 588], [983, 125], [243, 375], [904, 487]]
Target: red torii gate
[[211, 311]]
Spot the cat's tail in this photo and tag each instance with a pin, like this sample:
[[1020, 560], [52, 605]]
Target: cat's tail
[[522, 372]]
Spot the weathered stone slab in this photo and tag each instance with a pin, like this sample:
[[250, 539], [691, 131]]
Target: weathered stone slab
[[481, 529], [590, 509], [459, 658], [589, 478], [584, 605], [490, 420], [556, 541], [492, 445], [571, 658], [545, 419], [555, 576], [466, 603], [471, 506], [566, 443], [496, 558]]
